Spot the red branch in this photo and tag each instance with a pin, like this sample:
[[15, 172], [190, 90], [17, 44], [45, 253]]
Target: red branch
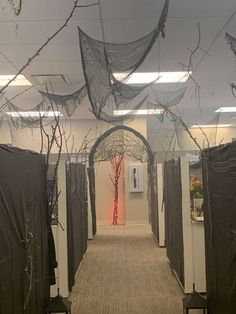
[[116, 164]]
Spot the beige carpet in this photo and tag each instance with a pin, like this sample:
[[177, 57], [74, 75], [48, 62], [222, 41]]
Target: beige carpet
[[124, 271]]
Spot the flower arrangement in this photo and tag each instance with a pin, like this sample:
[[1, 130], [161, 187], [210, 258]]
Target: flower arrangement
[[196, 187], [196, 198]]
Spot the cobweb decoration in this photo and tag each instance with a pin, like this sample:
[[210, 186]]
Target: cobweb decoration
[[1, 95], [112, 119], [69, 102], [231, 41], [168, 98], [21, 121], [2, 117], [121, 142], [101, 60], [160, 99]]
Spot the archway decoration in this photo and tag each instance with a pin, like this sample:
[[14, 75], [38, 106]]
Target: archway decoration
[[102, 150]]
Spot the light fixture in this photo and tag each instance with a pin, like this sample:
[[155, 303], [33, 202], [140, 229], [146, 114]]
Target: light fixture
[[19, 81], [34, 114], [58, 304], [195, 126], [226, 109], [137, 112], [156, 77], [195, 301]]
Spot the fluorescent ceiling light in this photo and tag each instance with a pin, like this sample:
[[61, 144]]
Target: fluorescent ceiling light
[[138, 112], [226, 109], [19, 81], [34, 114], [157, 77], [211, 126]]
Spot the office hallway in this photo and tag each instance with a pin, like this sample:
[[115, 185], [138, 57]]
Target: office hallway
[[124, 271]]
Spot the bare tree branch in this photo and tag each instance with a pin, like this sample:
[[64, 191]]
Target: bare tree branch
[[190, 67], [184, 125], [37, 53]]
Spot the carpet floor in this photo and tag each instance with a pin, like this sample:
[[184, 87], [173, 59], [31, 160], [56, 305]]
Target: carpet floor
[[125, 272]]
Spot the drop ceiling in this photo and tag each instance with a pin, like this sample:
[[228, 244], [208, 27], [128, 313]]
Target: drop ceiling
[[123, 20]]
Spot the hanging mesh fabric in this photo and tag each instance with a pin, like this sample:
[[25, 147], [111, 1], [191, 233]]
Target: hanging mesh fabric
[[167, 98], [69, 102], [118, 143], [231, 41], [101, 60], [2, 117], [20, 119]]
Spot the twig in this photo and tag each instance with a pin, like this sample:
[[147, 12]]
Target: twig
[[37, 53], [182, 123], [88, 5], [190, 68]]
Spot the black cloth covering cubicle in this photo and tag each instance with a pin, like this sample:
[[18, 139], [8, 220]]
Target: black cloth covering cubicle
[[219, 179], [173, 217], [77, 220], [153, 200], [24, 230]]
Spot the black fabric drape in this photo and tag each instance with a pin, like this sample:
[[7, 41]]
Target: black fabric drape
[[219, 178], [24, 226], [76, 218], [152, 185], [173, 217]]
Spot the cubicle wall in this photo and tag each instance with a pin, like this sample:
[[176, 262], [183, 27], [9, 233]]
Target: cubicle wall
[[184, 237], [157, 208], [71, 231], [24, 233], [77, 221], [152, 200], [173, 217], [219, 175]]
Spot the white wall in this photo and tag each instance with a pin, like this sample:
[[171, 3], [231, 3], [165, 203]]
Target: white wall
[[5, 134], [75, 132], [136, 204]]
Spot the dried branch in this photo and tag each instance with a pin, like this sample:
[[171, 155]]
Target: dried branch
[[190, 68], [233, 88], [205, 136], [37, 53], [88, 5], [16, 9], [184, 125], [28, 243]]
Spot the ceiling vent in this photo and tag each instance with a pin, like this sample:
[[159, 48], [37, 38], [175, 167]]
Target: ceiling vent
[[54, 79]]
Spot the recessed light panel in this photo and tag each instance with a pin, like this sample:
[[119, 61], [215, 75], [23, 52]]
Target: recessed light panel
[[226, 109], [211, 126], [34, 114], [156, 77], [137, 112], [19, 81]]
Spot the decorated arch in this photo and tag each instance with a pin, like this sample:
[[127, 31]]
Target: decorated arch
[[112, 143]]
